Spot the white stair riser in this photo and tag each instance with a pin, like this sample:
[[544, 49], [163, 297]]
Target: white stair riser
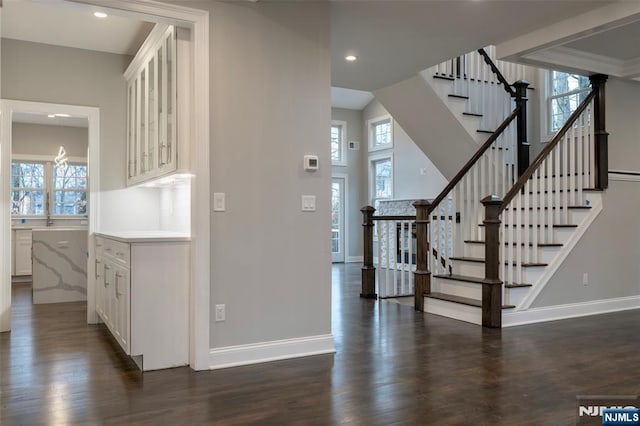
[[575, 216], [475, 269], [545, 254], [558, 235], [457, 311], [513, 296], [457, 288]]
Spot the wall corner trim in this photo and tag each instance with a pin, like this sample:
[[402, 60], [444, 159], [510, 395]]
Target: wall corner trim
[[354, 259], [254, 353]]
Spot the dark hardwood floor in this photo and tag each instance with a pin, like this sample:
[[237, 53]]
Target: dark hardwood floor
[[392, 366]]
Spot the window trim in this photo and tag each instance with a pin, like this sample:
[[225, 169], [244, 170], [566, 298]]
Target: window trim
[[548, 99], [371, 184], [370, 132], [343, 144], [48, 184]]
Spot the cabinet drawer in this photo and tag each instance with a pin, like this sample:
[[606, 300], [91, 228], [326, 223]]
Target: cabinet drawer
[[99, 244], [117, 250]]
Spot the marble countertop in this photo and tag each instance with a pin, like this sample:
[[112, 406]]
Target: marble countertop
[[144, 236], [49, 228]]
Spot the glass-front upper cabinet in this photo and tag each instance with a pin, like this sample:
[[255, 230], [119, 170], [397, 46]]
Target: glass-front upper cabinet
[[151, 107]]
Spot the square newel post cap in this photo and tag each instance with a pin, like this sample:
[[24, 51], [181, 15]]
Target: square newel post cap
[[368, 209], [491, 200], [421, 203]]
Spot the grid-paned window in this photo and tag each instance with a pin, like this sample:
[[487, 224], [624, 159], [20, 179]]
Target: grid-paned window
[[70, 190], [566, 92], [380, 133], [382, 171], [27, 188], [338, 157]]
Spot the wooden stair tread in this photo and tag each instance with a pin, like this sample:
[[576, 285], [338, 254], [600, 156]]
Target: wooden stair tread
[[517, 285], [562, 225], [472, 114], [485, 131], [453, 95], [530, 244], [461, 300], [465, 278], [554, 208], [570, 190], [481, 260], [444, 77]]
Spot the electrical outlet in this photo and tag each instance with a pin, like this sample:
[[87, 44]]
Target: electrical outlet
[[219, 202], [585, 278], [221, 313]]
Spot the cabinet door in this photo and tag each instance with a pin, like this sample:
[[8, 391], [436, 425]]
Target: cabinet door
[[132, 125], [23, 252], [166, 55], [108, 295], [99, 280], [122, 307]]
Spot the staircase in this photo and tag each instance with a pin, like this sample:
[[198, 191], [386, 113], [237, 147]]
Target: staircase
[[503, 225]]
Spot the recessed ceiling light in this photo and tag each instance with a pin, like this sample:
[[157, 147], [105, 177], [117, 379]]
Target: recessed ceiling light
[[351, 58], [99, 14], [51, 116], [63, 115]]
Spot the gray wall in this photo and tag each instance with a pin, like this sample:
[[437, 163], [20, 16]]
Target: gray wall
[[357, 178], [609, 251], [270, 81], [408, 159], [39, 139], [45, 73]]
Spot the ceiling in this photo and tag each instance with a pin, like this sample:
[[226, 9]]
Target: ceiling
[[604, 40], [393, 40], [41, 118], [72, 25]]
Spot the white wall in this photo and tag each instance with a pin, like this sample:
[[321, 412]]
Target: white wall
[[270, 105], [409, 160], [357, 178], [39, 139], [609, 251]]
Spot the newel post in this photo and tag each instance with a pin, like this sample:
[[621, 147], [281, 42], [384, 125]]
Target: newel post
[[492, 286], [422, 275], [368, 270], [601, 137], [521, 125]]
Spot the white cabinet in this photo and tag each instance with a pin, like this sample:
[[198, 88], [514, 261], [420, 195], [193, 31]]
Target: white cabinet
[[142, 290], [156, 74], [22, 252]]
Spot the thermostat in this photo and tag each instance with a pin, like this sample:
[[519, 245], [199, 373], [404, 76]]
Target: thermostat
[[311, 162]]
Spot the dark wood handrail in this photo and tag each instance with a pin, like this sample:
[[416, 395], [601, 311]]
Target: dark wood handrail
[[522, 180], [496, 71], [458, 177], [393, 217]]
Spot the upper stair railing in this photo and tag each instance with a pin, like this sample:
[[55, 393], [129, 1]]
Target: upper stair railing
[[525, 217], [484, 80]]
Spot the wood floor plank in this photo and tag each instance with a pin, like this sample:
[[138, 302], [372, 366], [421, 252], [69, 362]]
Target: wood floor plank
[[392, 366]]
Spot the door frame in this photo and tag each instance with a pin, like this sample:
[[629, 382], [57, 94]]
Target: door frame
[[345, 210], [200, 281]]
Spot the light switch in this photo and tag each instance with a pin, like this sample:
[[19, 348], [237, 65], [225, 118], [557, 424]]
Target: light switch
[[308, 203], [219, 202]]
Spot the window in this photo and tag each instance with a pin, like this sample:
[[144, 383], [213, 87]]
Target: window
[[565, 92], [381, 178], [27, 188], [70, 190], [31, 181], [338, 133], [380, 133]]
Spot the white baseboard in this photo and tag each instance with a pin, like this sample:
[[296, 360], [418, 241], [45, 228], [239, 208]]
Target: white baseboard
[[354, 259], [572, 310], [232, 356]]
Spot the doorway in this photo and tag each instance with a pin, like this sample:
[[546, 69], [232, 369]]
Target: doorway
[[338, 223], [37, 111]]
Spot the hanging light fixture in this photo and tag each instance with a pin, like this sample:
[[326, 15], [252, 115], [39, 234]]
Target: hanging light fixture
[[61, 159]]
